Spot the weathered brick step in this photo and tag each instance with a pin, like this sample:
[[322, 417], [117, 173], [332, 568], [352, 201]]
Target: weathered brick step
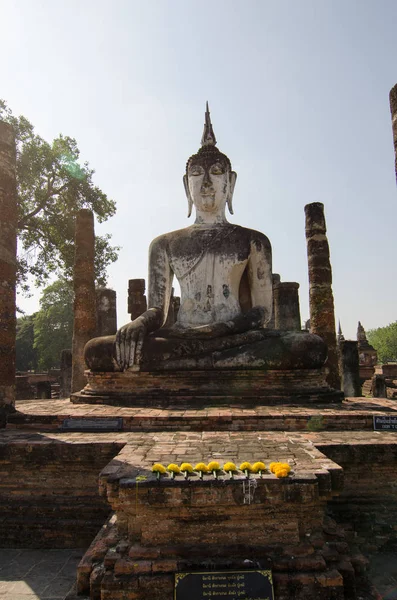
[[207, 419]]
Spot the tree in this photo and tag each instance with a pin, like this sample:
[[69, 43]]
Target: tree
[[26, 354], [52, 187], [384, 340], [53, 323]]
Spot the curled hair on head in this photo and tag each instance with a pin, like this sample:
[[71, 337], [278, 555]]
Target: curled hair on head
[[207, 155]]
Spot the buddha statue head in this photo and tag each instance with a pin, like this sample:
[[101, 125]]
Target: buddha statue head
[[209, 180]]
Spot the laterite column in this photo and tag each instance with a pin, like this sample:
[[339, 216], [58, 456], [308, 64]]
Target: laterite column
[[286, 306], [321, 299], [84, 326], [106, 312], [8, 253], [276, 280], [350, 368], [137, 303], [393, 109]]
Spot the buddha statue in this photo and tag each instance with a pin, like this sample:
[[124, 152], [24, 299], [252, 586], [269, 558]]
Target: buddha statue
[[225, 277]]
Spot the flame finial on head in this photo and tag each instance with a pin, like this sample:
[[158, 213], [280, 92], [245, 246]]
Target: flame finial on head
[[208, 138]]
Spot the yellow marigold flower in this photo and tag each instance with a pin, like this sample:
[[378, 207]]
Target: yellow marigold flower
[[186, 467], [172, 468], [285, 466], [158, 468], [258, 466], [272, 465], [229, 466], [201, 467], [281, 473], [214, 466], [245, 466]]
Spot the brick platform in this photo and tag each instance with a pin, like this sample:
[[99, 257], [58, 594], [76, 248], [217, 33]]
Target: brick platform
[[194, 389], [352, 414], [309, 529]]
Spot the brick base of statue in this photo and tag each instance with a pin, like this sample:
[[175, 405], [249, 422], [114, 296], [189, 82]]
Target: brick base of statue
[[170, 526], [199, 388]]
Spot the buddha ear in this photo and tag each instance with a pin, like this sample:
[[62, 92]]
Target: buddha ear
[[232, 180], [188, 195]]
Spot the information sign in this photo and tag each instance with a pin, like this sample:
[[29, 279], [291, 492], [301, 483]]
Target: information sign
[[224, 585]]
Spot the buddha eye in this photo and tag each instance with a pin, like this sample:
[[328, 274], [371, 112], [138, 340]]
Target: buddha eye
[[217, 170], [196, 171]]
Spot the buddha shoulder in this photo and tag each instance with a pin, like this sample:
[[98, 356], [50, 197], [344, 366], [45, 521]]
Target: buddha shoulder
[[230, 236]]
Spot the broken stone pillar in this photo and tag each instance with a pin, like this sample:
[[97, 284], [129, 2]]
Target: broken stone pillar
[[276, 281], [321, 299], [286, 306], [393, 109], [8, 252], [378, 386], [65, 378], [137, 304], [350, 368], [106, 312], [84, 326]]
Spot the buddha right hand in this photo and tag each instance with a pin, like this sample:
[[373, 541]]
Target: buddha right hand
[[129, 343]]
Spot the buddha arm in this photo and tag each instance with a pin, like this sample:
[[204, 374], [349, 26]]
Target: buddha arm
[[160, 281], [260, 275], [130, 338]]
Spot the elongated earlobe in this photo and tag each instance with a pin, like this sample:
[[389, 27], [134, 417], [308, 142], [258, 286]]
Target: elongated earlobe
[[233, 177], [188, 196]]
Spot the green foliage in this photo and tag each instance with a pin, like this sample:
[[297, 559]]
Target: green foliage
[[316, 423], [53, 324], [52, 187], [384, 340], [26, 354]]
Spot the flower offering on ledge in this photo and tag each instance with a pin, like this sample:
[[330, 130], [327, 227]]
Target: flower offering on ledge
[[230, 468], [215, 467], [280, 469], [186, 469], [201, 468], [159, 469], [173, 469], [246, 467], [259, 467]]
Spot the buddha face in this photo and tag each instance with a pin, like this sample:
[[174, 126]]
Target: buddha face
[[209, 183]]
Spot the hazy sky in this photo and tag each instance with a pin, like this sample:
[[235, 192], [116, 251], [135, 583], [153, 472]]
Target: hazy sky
[[298, 92]]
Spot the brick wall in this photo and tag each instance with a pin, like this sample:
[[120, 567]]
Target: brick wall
[[49, 493]]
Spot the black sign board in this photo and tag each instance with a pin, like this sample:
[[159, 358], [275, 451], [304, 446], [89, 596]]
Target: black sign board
[[224, 585], [92, 424], [385, 423]]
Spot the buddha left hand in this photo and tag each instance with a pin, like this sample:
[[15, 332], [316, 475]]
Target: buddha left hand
[[129, 342]]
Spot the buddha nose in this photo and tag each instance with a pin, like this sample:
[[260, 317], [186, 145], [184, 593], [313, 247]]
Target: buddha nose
[[207, 183]]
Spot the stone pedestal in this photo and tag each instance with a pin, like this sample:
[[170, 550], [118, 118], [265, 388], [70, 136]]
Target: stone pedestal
[[84, 326], [350, 368], [321, 299], [137, 304], [8, 250], [106, 312], [195, 389], [286, 306]]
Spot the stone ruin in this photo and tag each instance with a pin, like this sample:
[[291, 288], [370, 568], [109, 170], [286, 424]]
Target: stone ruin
[[307, 534]]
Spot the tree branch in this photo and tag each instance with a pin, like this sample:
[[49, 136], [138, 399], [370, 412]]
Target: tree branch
[[51, 192]]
